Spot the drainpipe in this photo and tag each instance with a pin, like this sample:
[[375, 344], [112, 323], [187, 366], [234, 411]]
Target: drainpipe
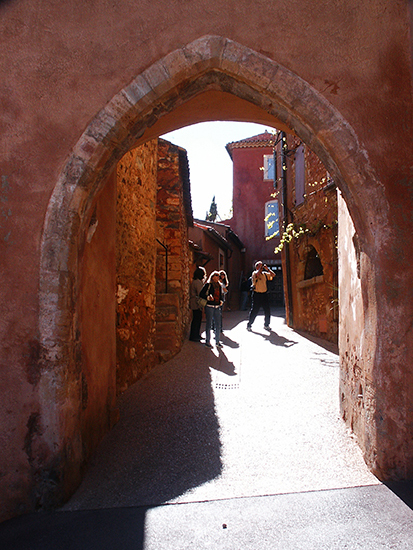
[[166, 264], [275, 165], [284, 150]]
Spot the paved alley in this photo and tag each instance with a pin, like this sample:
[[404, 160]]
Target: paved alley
[[257, 417], [238, 447]]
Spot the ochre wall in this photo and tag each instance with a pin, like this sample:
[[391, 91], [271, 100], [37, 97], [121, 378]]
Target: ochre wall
[[339, 74], [135, 263], [314, 301]]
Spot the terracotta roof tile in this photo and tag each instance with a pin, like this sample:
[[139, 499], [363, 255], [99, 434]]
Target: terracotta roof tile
[[261, 140]]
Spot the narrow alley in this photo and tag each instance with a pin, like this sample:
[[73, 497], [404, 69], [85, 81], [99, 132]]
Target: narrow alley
[[238, 447], [256, 417]]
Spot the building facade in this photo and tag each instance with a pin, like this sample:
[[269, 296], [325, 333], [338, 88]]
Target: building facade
[[255, 206], [309, 220], [217, 247], [285, 211]]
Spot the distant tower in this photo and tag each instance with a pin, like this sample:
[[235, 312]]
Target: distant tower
[[213, 212]]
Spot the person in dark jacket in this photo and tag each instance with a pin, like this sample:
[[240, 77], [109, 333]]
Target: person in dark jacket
[[212, 292], [197, 283]]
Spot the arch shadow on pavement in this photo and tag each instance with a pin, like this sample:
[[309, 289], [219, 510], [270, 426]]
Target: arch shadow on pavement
[[106, 529], [169, 446], [165, 443], [171, 430]]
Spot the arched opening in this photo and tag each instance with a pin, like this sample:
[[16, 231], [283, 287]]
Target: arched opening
[[211, 78], [313, 265]]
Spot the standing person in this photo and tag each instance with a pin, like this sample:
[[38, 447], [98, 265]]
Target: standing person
[[260, 276], [212, 292], [245, 290], [223, 279], [197, 283]]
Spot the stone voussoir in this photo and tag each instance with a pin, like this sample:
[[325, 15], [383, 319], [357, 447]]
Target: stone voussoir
[[158, 78], [248, 65], [205, 53], [102, 125], [140, 93], [177, 66], [119, 107]]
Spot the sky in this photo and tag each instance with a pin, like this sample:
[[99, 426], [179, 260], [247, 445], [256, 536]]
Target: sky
[[210, 166]]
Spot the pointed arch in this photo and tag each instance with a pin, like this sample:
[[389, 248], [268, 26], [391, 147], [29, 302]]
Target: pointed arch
[[209, 63]]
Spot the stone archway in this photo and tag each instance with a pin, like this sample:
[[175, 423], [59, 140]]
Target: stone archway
[[210, 63]]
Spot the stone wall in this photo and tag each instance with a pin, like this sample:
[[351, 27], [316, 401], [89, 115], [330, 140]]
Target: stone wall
[[135, 263], [173, 313], [314, 300], [152, 313]]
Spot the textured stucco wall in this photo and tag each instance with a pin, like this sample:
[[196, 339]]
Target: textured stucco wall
[[339, 74], [356, 396]]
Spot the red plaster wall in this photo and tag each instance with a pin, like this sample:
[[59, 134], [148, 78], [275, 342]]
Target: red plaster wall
[[207, 245], [233, 259], [250, 193]]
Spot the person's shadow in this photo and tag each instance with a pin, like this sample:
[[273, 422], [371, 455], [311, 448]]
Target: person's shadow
[[221, 363], [276, 339], [228, 342]]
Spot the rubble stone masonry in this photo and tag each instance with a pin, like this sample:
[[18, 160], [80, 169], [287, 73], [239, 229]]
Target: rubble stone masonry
[[152, 290], [135, 263], [172, 230]]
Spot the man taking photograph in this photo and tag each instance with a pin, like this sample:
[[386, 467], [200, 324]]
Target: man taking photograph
[[261, 275]]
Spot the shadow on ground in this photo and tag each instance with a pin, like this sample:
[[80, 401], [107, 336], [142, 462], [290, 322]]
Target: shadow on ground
[[403, 489], [119, 528], [328, 346], [169, 423], [168, 420]]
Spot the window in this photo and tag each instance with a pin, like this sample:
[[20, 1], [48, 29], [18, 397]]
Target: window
[[269, 167], [221, 260], [272, 228], [313, 265]]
